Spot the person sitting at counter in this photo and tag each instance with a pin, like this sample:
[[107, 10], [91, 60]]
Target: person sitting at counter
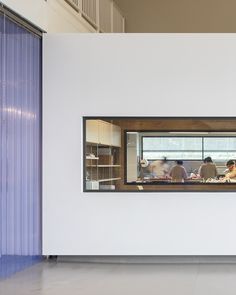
[[208, 169], [231, 174], [178, 172]]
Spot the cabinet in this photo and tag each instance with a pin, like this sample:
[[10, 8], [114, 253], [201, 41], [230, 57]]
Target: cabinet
[[92, 131], [102, 132], [102, 156], [116, 135]]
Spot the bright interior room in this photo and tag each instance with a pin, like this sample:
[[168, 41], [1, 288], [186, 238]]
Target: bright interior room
[[118, 147]]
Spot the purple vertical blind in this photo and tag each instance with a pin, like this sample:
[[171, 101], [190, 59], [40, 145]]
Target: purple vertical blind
[[20, 145]]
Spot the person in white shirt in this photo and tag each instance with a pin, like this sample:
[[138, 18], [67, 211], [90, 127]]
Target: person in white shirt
[[178, 172], [231, 173], [208, 169]]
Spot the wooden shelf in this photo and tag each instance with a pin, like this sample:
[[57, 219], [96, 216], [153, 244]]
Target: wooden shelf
[[102, 144], [92, 158], [102, 166], [109, 179], [103, 140]]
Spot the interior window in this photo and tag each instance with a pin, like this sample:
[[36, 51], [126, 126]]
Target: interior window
[[159, 154]]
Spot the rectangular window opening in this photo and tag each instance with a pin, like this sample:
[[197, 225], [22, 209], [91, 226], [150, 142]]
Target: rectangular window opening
[[127, 154]]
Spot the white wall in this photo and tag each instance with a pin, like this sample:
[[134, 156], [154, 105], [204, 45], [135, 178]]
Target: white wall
[[52, 16], [132, 75]]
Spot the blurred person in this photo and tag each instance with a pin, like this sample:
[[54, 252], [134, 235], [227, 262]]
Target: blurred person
[[159, 168], [143, 165]]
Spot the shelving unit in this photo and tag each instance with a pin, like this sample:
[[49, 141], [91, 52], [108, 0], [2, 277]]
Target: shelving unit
[[102, 155], [109, 179], [102, 166], [92, 158]]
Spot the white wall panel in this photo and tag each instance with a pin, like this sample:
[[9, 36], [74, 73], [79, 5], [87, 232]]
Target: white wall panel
[[117, 20], [105, 7], [89, 8], [150, 75], [52, 16]]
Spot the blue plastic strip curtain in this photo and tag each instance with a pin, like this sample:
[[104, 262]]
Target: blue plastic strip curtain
[[20, 143]]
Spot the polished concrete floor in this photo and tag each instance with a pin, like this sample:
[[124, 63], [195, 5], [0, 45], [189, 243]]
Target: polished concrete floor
[[120, 279]]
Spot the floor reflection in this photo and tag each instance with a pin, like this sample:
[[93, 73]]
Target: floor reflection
[[10, 264]]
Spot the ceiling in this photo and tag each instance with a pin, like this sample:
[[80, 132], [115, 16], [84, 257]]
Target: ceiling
[[179, 16]]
